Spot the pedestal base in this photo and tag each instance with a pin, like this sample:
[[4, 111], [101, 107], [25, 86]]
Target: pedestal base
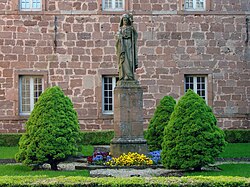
[[119, 146]]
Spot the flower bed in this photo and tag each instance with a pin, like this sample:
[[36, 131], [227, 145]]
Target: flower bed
[[129, 159]]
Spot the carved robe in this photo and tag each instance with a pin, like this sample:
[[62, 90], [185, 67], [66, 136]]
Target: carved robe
[[126, 52]]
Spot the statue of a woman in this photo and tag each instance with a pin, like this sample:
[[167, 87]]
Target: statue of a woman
[[126, 48]]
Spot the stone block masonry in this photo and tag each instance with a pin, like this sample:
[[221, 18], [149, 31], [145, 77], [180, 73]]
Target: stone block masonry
[[72, 44], [128, 119]]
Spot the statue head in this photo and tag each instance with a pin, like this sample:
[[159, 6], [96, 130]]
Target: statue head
[[127, 19]]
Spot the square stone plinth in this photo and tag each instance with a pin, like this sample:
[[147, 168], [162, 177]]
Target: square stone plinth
[[119, 146]]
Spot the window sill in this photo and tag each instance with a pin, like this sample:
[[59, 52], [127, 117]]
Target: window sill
[[106, 116], [110, 12], [15, 118], [210, 12], [30, 10]]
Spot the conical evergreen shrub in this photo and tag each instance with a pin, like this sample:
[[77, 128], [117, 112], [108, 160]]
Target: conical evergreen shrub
[[52, 131], [191, 138], [154, 135]]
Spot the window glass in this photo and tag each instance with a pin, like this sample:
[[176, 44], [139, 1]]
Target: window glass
[[198, 83], [200, 4], [189, 4], [31, 88], [36, 4], [30, 5], [25, 4], [38, 88], [108, 85], [113, 5], [119, 4], [194, 4], [108, 4], [25, 96]]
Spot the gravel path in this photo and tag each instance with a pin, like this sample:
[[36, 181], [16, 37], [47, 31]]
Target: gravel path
[[130, 172], [133, 172]]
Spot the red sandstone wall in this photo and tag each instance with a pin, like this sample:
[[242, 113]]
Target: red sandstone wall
[[82, 49], [133, 5]]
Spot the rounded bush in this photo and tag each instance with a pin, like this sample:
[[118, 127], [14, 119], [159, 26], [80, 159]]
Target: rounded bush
[[52, 131], [154, 134], [191, 138]]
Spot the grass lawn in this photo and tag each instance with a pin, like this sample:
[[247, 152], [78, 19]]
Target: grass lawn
[[232, 150], [21, 170], [236, 150], [9, 152], [87, 150], [240, 170]]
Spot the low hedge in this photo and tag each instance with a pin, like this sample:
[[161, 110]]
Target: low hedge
[[237, 136], [104, 137], [88, 138], [8, 140], [134, 181], [97, 137]]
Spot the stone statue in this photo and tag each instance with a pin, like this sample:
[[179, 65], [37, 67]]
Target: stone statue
[[126, 48], [128, 95]]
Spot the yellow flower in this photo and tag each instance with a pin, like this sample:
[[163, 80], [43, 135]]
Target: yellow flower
[[130, 159]]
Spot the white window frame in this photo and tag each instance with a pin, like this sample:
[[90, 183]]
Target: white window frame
[[108, 111], [195, 84], [195, 8], [113, 8], [31, 89], [30, 8]]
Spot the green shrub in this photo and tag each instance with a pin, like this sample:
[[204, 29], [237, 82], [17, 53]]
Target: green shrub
[[191, 138], [238, 135], [52, 131], [96, 137], [154, 135], [8, 140], [122, 182]]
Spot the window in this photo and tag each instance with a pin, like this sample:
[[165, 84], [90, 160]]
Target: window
[[30, 88], [198, 84], [30, 5], [194, 4], [113, 5], [108, 85]]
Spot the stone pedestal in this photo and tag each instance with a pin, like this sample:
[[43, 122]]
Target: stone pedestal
[[128, 119]]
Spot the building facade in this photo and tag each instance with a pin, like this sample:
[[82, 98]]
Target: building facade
[[199, 44]]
